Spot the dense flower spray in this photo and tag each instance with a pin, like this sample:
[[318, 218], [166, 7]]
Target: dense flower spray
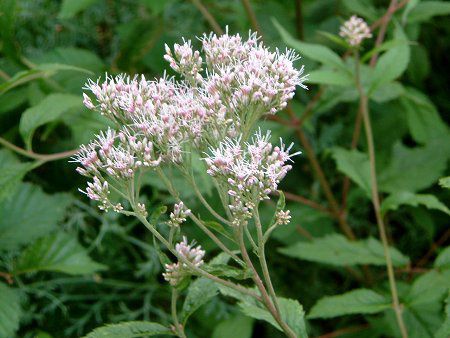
[[355, 30], [211, 111]]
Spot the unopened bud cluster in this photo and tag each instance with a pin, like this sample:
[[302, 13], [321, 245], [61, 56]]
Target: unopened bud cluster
[[175, 272], [355, 30], [178, 215]]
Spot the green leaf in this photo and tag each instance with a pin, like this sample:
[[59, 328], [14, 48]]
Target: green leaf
[[22, 218], [40, 71], [388, 92], [443, 259], [354, 302], [236, 327], [445, 328], [423, 119], [133, 329], [48, 110], [12, 173], [428, 288], [444, 182], [364, 8], [59, 252], [227, 271], [355, 165], [395, 200], [339, 251], [10, 311], [291, 312], [381, 48], [413, 169], [315, 52], [425, 10], [330, 77], [391, 64], [201, 291], [70, 8]]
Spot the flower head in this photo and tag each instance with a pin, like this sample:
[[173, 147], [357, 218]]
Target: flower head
[[178, 215], [355, 30]]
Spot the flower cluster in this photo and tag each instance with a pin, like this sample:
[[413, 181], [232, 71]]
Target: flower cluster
[[220, 96], [175, 272], [283, 217], [355, 30], [250, 171], [178, 215]]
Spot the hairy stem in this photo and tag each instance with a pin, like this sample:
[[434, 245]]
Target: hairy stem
[[376, 199]]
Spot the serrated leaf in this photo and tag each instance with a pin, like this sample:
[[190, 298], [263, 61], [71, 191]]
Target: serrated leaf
[[354, 302], [59, 252], [391, 64], [312, 51], [10, 311], [201, 291], [355, 165], [395, 200], [70, 8], [413, 169], [443, 259], [339, 251], [134, 329], [22, 218], [428, 288], [12, 173], [423, 119], [291, 312], [227, 271], [445, 327], [49, 109]]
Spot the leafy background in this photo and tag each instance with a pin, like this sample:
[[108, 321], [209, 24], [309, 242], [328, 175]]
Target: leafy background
[[66, 268]]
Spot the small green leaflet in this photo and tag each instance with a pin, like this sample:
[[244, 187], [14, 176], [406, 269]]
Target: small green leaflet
[[339, 251], [201, 291], [353, 302]]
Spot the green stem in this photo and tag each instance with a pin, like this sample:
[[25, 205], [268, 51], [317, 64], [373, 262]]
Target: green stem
[[259, 284], [376, 200], [178, 327], [262, 258]]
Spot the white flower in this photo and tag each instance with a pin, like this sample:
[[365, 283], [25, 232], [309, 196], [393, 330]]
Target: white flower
[[355, 30], [283, 217]]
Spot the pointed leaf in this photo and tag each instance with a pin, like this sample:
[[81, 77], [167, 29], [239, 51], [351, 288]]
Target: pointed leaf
[[353, 302], [339, 251], [201, 291], [395, 200]]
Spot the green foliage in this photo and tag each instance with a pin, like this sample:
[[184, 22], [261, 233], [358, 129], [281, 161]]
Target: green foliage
[[134, 329], [22, 218], [58, 252], [407, 198], [199, 293], [291, 312], [73, 268], [10, 311], [48, 110], [339, 251], [353, 302]]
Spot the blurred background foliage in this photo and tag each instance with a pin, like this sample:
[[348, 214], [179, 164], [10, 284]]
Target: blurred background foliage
[[66, 268]]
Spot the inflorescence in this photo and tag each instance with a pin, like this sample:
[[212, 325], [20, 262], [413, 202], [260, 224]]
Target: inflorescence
[[223, 91], [355, 30]]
